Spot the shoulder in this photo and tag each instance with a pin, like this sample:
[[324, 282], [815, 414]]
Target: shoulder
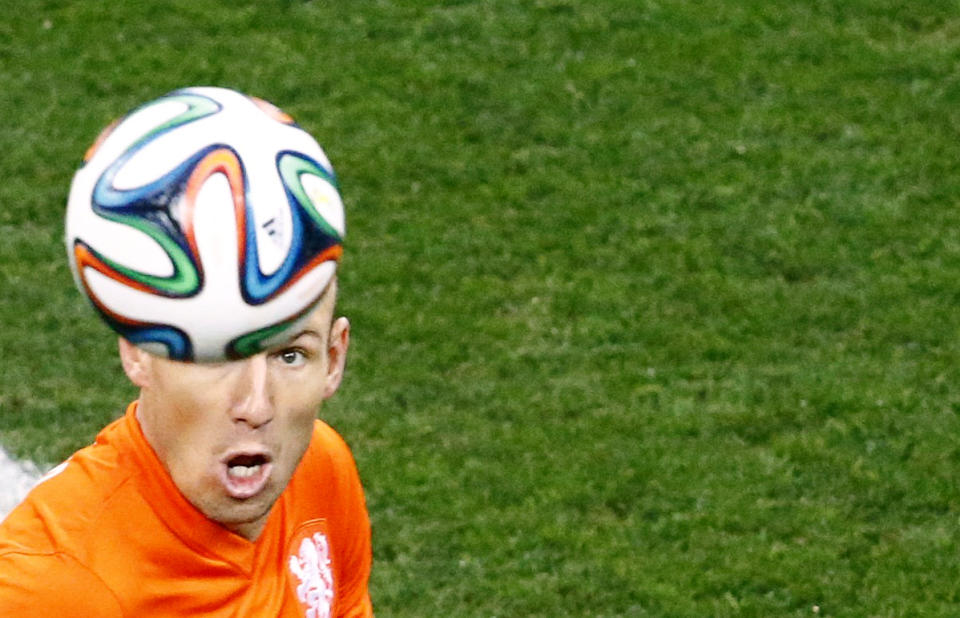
[[326, 483], [328, 455], [61, 513], [46, 541], [52, 584], [326, 439]]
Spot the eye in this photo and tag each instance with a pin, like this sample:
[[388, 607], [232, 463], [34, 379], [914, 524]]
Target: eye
[[292, 357]]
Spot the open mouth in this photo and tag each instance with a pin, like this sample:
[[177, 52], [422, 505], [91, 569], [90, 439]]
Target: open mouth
[[244, 475], [245, 466]]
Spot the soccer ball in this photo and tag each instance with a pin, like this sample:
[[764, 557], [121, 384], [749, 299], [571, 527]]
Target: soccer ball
[[204, 225]]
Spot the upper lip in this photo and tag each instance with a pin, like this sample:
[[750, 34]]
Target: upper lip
[[258, 453]]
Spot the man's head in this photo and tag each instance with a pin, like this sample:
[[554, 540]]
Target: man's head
[[231, 434], [206, 227]]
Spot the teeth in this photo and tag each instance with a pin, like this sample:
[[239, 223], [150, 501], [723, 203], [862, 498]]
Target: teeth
[[243, 472]]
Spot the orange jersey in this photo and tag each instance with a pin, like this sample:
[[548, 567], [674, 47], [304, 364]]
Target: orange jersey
[[109, 534]]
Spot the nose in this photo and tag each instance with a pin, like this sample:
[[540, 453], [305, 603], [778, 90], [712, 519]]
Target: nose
[[253, 405]]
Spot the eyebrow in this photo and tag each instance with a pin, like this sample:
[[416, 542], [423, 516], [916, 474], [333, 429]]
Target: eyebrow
[[305, 332]]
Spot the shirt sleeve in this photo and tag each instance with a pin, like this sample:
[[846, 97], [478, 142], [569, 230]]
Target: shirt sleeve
[[52, 585]]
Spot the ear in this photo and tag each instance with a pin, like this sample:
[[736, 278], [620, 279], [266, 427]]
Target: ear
[[136, 362], [336, 355]]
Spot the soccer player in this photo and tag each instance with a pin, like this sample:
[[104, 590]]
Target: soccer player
[[217, 493]]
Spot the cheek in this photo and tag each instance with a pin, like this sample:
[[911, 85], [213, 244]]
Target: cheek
[[299, 416], [299, 397], [300, 424], [193, 423], [190, 431]]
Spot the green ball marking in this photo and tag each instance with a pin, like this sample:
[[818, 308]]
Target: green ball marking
[[185, 280], [252, 343], [292, 168], [197, 107]]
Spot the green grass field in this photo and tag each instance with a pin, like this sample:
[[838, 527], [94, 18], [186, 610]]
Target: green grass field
[[652, 301]]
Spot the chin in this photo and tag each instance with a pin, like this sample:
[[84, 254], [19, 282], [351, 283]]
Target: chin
[[250, 509], [232, 513], [243, 520]]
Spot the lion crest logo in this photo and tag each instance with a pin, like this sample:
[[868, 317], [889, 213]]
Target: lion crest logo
[[311, 566]]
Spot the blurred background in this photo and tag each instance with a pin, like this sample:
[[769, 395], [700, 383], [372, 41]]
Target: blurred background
[[652, 301]]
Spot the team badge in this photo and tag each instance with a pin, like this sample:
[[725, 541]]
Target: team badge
[[312, 570]]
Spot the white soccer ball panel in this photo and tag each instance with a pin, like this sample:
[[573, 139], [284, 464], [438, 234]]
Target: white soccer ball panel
[[132, 128]]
